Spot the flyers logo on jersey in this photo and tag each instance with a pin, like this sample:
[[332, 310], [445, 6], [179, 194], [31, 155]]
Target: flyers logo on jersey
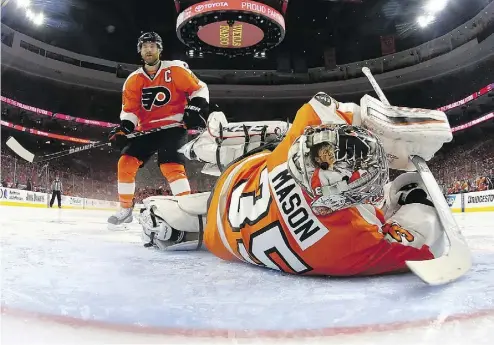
[[156, 96]]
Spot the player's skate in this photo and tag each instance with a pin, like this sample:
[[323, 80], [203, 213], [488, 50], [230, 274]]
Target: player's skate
[[120, 219]]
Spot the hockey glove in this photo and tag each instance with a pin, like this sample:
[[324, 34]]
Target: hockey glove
[[118, 135], [196, 113]]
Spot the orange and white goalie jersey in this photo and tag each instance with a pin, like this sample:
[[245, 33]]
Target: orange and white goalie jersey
[[260, 215], [151, 101]]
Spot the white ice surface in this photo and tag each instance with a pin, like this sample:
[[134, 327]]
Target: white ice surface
[[66, 279]]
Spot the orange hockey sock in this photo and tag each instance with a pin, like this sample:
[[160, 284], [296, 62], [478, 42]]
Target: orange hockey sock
[[176, 177], [127, 170]]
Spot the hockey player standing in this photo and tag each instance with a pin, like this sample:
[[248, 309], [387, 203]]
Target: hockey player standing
[[157, 94]]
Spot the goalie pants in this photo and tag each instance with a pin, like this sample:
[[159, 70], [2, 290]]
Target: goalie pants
[[139, 150]]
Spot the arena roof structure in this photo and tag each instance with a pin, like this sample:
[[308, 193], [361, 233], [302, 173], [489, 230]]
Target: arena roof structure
[[318, 32]]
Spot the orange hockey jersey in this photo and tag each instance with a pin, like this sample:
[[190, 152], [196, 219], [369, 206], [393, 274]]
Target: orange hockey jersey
[[154, 101], [260, 215]]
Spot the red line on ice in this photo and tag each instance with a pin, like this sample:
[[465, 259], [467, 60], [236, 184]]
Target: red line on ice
[[234, 333]]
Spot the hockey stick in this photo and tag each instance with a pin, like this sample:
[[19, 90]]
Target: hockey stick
[[22, 152], [457, 261]]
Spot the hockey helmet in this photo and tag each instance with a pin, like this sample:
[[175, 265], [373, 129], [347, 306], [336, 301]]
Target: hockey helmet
[[149, 37], [338, 166]]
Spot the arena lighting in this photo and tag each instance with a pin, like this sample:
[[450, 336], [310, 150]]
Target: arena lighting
[[434, 6], [191, 53], [431, 9], [260, 55], [30, 14], [23, 3], [425, 20], [38, 19]]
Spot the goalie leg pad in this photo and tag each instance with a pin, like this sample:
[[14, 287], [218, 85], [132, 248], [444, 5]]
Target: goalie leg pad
[[224, 142], [174, 222], [180, 212]]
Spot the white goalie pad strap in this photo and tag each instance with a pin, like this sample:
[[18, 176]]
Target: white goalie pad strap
[[235, 133], [207, 152], [405, 131], [228, 142]]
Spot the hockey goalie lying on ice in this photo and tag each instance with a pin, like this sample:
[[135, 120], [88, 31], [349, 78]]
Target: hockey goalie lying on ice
[[309, 205]]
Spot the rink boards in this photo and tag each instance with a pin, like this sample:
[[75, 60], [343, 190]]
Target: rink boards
[[17, 197], [466, 202], [472, 202]]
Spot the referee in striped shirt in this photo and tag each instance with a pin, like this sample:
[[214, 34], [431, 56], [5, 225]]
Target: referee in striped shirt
[[56, 188]]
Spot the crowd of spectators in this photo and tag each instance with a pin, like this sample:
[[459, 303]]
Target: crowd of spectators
[[461, 168], [97, 182], [19, 174], [465, 168], [92, 174]]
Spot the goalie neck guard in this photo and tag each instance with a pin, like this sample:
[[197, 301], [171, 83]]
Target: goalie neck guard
[[338, 166]]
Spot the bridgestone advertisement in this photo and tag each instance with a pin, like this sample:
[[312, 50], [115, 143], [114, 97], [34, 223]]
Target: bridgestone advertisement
[[480, 199], [472, 202]]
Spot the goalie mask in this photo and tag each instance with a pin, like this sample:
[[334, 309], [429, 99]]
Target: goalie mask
[[338, 166]]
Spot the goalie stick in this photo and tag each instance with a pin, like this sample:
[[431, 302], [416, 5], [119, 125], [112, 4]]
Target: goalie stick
[[457, 261], [22, 152]]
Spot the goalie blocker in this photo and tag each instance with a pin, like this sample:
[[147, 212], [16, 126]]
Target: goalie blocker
[[260, 206]]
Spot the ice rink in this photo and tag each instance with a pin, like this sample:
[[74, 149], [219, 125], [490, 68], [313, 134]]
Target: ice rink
[[66, 279]]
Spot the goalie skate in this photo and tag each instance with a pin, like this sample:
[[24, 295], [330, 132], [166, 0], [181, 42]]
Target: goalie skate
[[159, 234], [120, 220]]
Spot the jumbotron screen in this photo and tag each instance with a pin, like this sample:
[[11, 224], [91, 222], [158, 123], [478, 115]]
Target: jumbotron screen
[[231, 27]]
